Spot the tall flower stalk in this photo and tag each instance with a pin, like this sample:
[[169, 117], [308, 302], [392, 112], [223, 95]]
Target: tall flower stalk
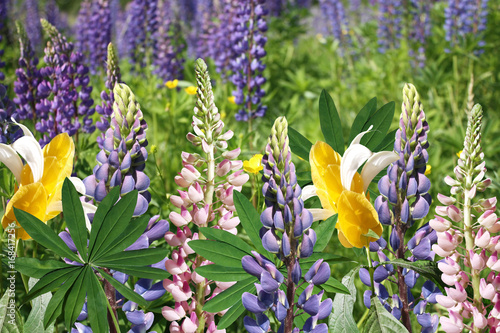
[[475, 266], [207, 198]]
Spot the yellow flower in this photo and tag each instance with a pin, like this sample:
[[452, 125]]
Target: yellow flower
[[341, 189], [40, 180], [223, 115], [254, 165], [191, 90], [153, 149], [428, 170], [458, 154], [232, 100], [172, 84]]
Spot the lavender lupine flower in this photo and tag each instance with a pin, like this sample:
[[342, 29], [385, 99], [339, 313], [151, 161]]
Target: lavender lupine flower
[[275, 7], [53, 15], [8, 132], [65, 104], [136, 32], [207, 200], [83, 27], [122, 159], [204, 28], [167, 58], [334, 13], [248, 44], [3, 20], [287, 232], [419, 13], [106, 108], [32, 23], [222, 45], [28, 79], [464, 18], [480, 21], [404, 200], [470, 268], [389, 24], [100, 34]]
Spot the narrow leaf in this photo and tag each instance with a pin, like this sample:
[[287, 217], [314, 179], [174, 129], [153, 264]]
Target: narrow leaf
[[250, 220], [362, 117], [429, 269], [379, 320], [324, 230], [231, 315], [226, 237], [341, 319], [306, 263], [222, 273], [230, 296], [330, 122], [218, 252], [381, 121], [299, 145], [54, 308], [126, 292], [139, 258], [74, 217], [141, 272], [44, 235], [104, 207], [36, 268], [96, 304], [75, 299], [335, 286], [388, 142], [51, 281]]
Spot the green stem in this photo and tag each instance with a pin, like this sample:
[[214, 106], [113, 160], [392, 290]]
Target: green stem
[[370, 270]]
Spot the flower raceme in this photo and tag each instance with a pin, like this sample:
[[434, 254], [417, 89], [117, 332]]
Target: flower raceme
[[341, 189], [40, 180]]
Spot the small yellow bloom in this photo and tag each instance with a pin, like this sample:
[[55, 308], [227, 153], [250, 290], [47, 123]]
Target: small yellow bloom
[[153, 149], [254, 165], [232, 100], [223, 115], [191, 90], [428, 169], [172, 84], [458, 154]]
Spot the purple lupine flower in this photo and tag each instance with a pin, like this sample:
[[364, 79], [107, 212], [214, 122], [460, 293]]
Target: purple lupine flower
[[203, 29], [333, 11], [420, 12], [151, 23], [28, 79], [222, 50], [248, 44], [83, 27], [99, 34], [32, 23], [3, 20], [167, 58], [389, 24], [463, 18], [53, 15], [275, 7], [135, 34], [65, 104], [8, 132], [287, 232], [405, 199]]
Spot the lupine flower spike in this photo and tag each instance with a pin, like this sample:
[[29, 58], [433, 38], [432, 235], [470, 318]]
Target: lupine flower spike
[[405, 200], [207, 197], [472, 272], [287, 232]]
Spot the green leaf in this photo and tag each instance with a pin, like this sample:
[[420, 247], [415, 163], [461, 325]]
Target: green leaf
[[54, 308], [226, 237], [96, 304], [388, 142], [341, 319], [231, 315], [249, 219], [51, 281], [141, 271], [36, 268], [222, 273], [75, 299], [306, 263], [102, 211], [330, 122], [126, 292], [115, 222], [230, 296], [372, 233], [133, 231], [334, 286], [324, 230], [44, 235], [429, 269], [4, 302], [379, 320], [381, 121], [218, 252], [74, 217], [138, 258], [362, 117], [299, 145], [38, 307]]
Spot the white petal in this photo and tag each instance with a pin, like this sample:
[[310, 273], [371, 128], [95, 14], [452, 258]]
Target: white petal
[[308, 191], [88, 208], [30, 150], [25, 129], [378, 162], [320, 214], [358, 137], [353, 158], [78, 183], [9, 157]]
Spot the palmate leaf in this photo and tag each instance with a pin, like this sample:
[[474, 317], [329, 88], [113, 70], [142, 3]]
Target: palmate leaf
[[222, 273], [218, 252], [379, 320], [44, 235], [36, 268], [141, 272], [55, 306], [137, 258], [96, 304], [330, 122], [226, 237], [51, 281], [230, 296], [75, 299], [126, 292], [74, 217]]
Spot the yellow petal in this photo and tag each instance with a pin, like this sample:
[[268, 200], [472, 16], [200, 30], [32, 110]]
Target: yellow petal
[[191, 90], [61, 147], [172, 84], [343, 240], [356, 217], [31, 198]]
